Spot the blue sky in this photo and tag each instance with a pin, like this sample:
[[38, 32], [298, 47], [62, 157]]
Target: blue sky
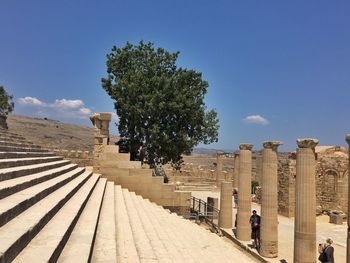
[[277, 70]]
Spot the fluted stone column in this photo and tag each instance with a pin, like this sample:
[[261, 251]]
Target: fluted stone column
[[218, 169], [235, 172], [244, 192], [226, 205], [348, 230], [269, 205], [305, 203]]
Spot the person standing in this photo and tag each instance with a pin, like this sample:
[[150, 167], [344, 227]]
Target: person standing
[[326, 251], [235, 198], [255, 225]]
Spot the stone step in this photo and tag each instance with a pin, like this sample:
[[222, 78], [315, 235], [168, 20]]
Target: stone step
[[105, 245], [126, 250], [6, 133], [15, 204], [14, 172], [142, 242], [158, 247], [81, 241], [8, 137], [12, 186], [185, 236], [200, 242], [48, 244], [7, 163], [19, 144], [10, 155], [4, 148], [168, 234], [17, 233]]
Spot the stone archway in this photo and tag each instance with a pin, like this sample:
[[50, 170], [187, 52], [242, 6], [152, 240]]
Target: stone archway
[[330, 181]]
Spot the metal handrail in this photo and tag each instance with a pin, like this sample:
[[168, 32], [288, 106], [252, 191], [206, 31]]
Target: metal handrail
[[208, 212]]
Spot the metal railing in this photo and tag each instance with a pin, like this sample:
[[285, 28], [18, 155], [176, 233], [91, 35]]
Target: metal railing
[[201, 210]]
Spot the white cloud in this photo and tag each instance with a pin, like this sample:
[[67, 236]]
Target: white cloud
[[257, 119], [64, 104], [85, 111], [65, 108], [31, 101]]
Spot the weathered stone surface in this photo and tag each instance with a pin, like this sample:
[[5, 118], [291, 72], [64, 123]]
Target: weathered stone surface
[[305, 203], [246, 146], [244, 192], [307, 143], [226, 205], [269, 204]]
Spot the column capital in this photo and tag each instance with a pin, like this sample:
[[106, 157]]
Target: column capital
[[246, 146], [236, 154], [307, 143], [347, 138], [272, 145]]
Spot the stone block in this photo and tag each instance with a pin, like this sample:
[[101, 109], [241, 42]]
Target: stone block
[[336, 218]]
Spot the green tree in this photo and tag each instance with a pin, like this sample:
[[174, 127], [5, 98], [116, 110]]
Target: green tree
[[6, 106], [161, 107]]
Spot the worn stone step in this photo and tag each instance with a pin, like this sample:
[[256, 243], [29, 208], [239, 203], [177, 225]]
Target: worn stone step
[[8, 137], [48, 244], [12, 186], [6, 133], [17, 233], [183, 237], [19, 144], [158, 247], [105, 244], [10, 155], [4, 148], [15, 204], [81, 241], [159, 217], [142, 242], [126, 250], [14, 172], [7, 163]]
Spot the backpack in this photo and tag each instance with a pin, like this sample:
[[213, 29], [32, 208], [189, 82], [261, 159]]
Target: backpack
[[323, 257]]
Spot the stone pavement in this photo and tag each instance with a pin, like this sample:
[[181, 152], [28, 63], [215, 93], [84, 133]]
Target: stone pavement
[[286, 232]]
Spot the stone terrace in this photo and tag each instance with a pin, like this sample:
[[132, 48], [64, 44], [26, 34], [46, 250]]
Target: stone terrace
[[52, 210]]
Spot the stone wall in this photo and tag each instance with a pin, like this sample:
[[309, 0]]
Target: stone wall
[[82, 158], [286, 185], [331, 180]]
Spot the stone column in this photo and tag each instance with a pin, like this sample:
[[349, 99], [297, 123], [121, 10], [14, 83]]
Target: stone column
[[225, 220], [218, 168], [348, 230], [235, 172], [244, 192], [305, 202], [269, 205], [101, 135]]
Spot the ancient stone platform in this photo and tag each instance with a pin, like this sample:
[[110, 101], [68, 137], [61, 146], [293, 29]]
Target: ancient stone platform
[[53, 210]]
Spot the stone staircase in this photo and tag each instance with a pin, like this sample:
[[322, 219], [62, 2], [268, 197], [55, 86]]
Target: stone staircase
[[54, 211]]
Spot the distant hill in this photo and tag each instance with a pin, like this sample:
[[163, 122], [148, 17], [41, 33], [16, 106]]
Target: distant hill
[[52, 133], [56, 134]]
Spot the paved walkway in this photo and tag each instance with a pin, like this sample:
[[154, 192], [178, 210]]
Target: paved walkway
[[286, 232]]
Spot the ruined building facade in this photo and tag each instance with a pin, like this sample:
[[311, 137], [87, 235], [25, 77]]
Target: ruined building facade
[[331, 180]]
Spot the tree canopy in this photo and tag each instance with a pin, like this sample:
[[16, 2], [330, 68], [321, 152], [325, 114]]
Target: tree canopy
[[6, 106], [161, 108]]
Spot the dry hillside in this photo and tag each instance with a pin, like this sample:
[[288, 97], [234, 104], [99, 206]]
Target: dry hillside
[[52, 133]]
